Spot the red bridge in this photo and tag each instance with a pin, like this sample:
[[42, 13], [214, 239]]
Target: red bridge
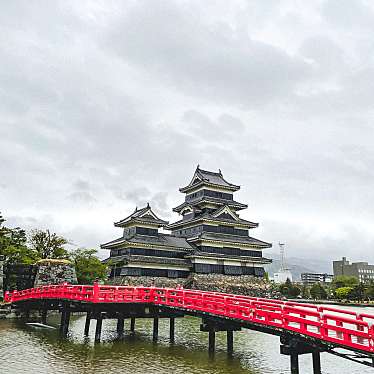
[[303, 328]]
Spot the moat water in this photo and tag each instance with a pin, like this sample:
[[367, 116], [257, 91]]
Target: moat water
[[25, 349]]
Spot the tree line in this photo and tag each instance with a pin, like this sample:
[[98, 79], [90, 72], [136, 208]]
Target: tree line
[[342, 288], [21, 248]]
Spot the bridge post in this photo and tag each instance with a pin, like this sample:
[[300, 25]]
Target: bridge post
[[230, 341], [26, 315], [212, 340], [212, 326], [339, 334], [316, 362], [87, 324], [44, 316], [172, 329], [155, 329], [120, 326], [99, 324], [294, 363], [293, 347], [132, 325], [65, 319]]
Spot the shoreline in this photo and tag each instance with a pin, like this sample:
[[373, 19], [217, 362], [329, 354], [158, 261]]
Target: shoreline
[[332, 302]]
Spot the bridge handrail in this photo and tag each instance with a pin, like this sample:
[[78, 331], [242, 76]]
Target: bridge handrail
[[344, 327]]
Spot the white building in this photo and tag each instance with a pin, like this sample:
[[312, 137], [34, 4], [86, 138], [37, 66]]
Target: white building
[[282, 276], [284, 273]]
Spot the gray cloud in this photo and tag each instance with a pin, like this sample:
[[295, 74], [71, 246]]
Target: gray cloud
[[106, 105], [214, 61], [82, 197]]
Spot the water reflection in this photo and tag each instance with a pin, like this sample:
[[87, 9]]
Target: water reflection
[[26, 349]]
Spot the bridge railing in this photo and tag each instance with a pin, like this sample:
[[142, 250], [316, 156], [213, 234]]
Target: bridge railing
[[344, 327]]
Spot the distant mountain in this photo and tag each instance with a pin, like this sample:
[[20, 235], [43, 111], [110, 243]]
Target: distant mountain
[[298, 266]]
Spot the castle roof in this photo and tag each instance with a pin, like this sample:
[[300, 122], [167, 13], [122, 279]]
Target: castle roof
[[143, 215], [212, 200], [161, 240], [130, 258], [223, 214], [204, 177], [218, 256], [230, 239]]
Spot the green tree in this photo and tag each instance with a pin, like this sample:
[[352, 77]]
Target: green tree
[[13, 245], [344, 281], [88, 266], [342, 293], [305, 292], [318, 292], [357, 292], [369, 292], [48, 245], [289, 290]]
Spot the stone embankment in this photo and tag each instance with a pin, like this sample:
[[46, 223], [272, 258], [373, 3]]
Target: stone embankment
[[52, 271], [49, 271], [241, 285]]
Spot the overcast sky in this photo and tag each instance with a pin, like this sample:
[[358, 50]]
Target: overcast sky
[[105, 105]]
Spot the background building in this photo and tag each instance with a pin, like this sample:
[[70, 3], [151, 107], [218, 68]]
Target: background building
[[282, 276], [311, 278], [360, 270]]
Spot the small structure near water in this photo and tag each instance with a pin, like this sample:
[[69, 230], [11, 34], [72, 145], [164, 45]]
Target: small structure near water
[[43, 272], [54, 271]]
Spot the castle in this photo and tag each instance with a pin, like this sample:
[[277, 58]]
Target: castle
[[210, 237]]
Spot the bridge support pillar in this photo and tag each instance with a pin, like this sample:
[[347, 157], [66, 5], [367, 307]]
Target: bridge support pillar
[[26, 315], [155, 329], [132, 325], [172, 329], [99, 325], [213, 326], [293, 347], [294, 363], [212, 340], [120, 326], [87, 324], [65, 319], [44, 316], [316, 362], [230, 341]]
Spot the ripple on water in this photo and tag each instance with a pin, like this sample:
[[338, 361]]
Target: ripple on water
[[27, 350]]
